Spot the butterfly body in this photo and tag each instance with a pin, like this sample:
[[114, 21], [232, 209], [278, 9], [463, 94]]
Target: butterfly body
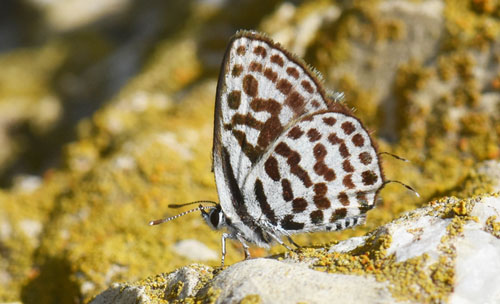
[[287, 159]]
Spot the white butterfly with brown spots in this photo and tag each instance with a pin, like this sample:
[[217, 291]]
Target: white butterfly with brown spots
[[288, 158]]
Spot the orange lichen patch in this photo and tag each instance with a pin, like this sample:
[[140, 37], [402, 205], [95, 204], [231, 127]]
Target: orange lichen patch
[[258, 252]]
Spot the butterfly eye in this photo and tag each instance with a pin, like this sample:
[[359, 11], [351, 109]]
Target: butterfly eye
[[215, 215]]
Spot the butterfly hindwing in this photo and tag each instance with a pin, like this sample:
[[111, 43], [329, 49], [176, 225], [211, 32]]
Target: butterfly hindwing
[[321, 171]]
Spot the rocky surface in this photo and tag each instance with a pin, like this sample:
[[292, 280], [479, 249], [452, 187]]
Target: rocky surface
[[106, 117], [448, 251]]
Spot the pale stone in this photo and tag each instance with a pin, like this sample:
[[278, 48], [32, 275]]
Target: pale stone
[[278, 282], [195, 250]]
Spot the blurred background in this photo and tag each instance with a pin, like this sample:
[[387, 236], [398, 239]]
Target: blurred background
[[106, 117]]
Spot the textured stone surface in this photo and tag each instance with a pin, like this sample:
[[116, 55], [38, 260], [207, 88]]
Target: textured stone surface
[[279, 282], [448, 251]]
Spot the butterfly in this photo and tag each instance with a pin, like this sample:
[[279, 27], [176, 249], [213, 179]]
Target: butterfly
[[288, 157]]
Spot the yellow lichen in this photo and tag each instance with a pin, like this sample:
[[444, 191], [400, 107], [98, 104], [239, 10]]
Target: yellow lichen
[[251, 299]]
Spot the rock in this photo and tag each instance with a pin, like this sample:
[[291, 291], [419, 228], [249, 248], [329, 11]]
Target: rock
[[280, 282], [195, 250], [182, 283], [446, 251]]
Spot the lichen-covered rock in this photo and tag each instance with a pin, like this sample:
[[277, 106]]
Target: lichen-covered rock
[[448, 251], [272, 281], [180, 284]]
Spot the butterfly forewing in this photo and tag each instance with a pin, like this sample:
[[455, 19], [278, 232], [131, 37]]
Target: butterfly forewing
[[264, 90]]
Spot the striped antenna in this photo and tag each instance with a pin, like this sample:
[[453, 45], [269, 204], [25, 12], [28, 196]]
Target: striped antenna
[[403, 184], [192, 203], [161, 221], [395, 156]]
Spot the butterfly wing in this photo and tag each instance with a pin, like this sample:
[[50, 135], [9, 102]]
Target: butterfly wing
[[261, 90], [322, 173]]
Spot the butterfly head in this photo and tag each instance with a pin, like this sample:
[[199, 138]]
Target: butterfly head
[[215, 218]]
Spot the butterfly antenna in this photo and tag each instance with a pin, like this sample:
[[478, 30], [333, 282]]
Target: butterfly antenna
[[192, 203], [161, 221], [395, 156], [403, 184]]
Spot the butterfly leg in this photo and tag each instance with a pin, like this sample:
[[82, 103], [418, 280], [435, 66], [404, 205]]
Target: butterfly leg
[[245, 246], [247, 252], [277, 239], [291, 241], [223, 240]]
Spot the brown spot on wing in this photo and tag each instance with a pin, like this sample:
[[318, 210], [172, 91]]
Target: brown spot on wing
[[234, 100], [283, 149], [329, 121], [346, 165], [287, 189], [329, 175], [255, 67], [307, 86], [348, 127], [365, 158], [313, 135], [334, 139], [320, 167], [296, 102], [319, 152], [339, 213], [369, 177], [269, 105], [237, 69], [247, 120], [241, 50], [316, 216], [270, 74], [299, 205], [347, 181], [361, 197], [260, 50], [344, 151], [250, 85], [270, 131], [292, 72], [277, 60], [320, 189], [343, 198], [358, 140], [289, 224], [272, 169], [284, 86], [322, 202], [295, 133]]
